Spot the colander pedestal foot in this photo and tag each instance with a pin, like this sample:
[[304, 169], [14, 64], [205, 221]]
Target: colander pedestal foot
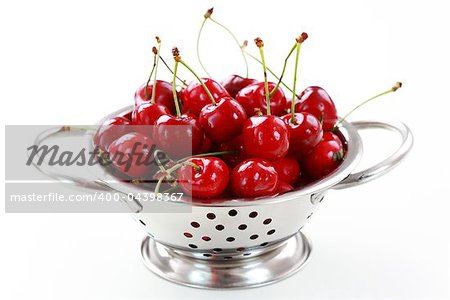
[[265, 268]]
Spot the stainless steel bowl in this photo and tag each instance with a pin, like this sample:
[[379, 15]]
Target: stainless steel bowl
[[241, 243]]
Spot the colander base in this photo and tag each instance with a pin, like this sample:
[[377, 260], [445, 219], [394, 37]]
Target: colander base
[[266, 268]]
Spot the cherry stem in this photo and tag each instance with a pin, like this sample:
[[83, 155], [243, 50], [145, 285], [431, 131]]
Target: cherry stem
[[156, 70], [392, 89], [183, 82], [151, 73], [297, 54], [282, 72], [198, 44], [174, 89], [260, 44], [208, 154], [268, 69], [237, 43], [199, 80], [169, 171]]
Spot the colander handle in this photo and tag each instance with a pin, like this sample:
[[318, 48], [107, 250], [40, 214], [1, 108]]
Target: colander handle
[[92, 185], [386, 165]]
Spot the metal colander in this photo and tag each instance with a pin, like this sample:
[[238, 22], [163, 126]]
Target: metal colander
[[241, 243]]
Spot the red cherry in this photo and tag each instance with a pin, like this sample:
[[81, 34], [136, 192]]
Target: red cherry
[[253, 178], [195, 98], [127, 115], [283, 188], [253, 98], [174, 135], [209, 179], [266, 137], [222, 121], [288, 169], [111, 130], [234, 83], [235, 145], [305, 133], [148, 113], [325, 157], [316, 101], [130, 153], [163, 95], [207, 145]]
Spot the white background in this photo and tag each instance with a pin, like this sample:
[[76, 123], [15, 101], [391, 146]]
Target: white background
[[71, 62]]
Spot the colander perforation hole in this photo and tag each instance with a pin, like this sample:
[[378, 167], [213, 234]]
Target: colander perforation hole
[[211, 216], [264, 244], [246, 254], [206, 238], [188, 234], [217, 250], [220, 227], [267, 221], [232, 213], [207, 255], [142, 222], [195, 224], [242, 227], [271, 231], [230, 239], [253, 214], [309, 216], [240, 249], [227, 257], [193, 246], [254, 237]]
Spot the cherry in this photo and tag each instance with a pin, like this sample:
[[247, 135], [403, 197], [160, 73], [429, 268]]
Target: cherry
[[266, 137], [305, 133], [288, 169], [222, 121], [148, 113], [316, 101], [283, 188], [234, 83], [130, 153], [204, 177], [194, 96], [325, 157], [252, 98], [163, 95], [174, 134], [254, 177], [207, 145], [127, 115], [111, 130], [235, 145]]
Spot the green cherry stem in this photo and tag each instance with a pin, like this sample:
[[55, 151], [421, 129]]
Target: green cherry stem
[[183, 82], [177, 57], [299, 42], [208, 154], [158, 41], [175, 53], [396, 86], [169, 171], [154, 50], [205, 18], [260, 44], [282, 72], [244, 45]]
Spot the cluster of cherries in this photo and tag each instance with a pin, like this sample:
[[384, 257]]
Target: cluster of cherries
[[247, 139]]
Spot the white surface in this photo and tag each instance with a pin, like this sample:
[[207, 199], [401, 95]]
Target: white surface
[[73, 61]]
